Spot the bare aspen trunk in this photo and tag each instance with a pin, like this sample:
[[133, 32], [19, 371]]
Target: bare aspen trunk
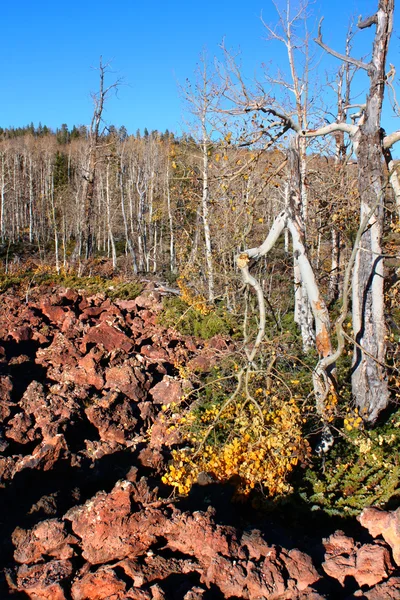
[[335, 265], [54, 218], [205, 214], [170, 222], [127, 236], [109, 220], [30, 201], [295, 192], [3, 199], [369, 379]]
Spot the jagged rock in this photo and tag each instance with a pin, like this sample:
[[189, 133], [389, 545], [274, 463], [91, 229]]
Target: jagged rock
[[389, 590], [108, 528], [368, 564], [43, 581], [113, 417], [108, 336], [6, 404], [103, 584], [47, 538], [167, 391], [124, 378], [386, 524], [44, 456]]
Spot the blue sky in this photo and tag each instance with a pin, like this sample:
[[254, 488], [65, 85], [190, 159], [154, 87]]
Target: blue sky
[[47, 50]]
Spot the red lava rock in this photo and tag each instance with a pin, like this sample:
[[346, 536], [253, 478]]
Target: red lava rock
[[113, 416], [21, 428], [70, 295], [49, 412], [153, 459], [386, 524], [149, 317], [124, 379], [150, 301], [198, 536], [70, 325], [42, 582], [161, 436], [61, 351], [110, 337], [47, 538], [201, 363], [108, 528], [44, 456], [56, 314], [6, 388], [340, 556], [91, 312], [301, 570], [7, 468], [167, 391], [92, 375], [128, 305], [101, 585], [195, 593], [373, 564], [369, 564], [389, 590], [154, 352], [21, 334], [153, 567]]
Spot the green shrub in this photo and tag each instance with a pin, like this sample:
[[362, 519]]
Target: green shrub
[[189, 321], [363, 469]]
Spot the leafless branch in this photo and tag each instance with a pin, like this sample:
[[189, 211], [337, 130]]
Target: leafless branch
[[347, 59]]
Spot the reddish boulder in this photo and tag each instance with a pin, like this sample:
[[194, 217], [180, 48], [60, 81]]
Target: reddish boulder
[[167, 391], [45, 455], [42, 582], [114, 418], [389, 590], [123, 378], [21, 428], [55, 314], [386, 524], [128, 305], [21, 334], [108, 528], [368, 564], [6, 388], [103, 584], [373, 564], [154, 352], [108, 336], [60, 352], [47, 538], [340, 556], [150, 301]]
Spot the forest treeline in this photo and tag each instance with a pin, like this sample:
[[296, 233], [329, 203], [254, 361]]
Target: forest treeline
[[148, 201]]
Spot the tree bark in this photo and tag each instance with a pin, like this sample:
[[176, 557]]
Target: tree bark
[[369, 379]]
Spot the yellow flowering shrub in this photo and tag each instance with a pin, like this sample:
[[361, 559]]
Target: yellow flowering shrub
[[248, 444]]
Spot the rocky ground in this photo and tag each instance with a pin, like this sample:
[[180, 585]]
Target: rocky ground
[[84, 514]]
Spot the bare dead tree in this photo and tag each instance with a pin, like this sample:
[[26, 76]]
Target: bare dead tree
[[95, 134], [369, 376]]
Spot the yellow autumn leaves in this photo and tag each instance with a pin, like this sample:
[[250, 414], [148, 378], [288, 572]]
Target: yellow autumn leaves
[[242, 447]]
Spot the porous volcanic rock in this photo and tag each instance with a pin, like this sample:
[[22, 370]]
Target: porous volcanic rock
[[85, 514], [386, 524]]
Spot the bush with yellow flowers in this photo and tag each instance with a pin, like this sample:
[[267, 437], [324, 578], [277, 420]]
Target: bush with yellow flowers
[[252, 442]]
